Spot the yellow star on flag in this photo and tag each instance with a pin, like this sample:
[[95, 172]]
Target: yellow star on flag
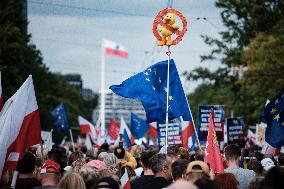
[[276, 101], [277, 117], [160, 81], [170, 97], [273, 110], [155, 72], [146, 73], [165, 89], [282, 123], [147, 79], [150, 70]]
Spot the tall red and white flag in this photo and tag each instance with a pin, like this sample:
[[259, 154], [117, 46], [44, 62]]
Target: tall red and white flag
[[1, 97], [87, 127], [114, 49], [113, 129], [20, 125], [212, 150]]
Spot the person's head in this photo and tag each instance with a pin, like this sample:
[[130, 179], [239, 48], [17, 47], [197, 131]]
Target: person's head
[[112, 164], [183, 153], [119, 152], [71, 180], [196, 170], [199, 155], [255, 182], [255, 166], [145, 158], [267, 164], [107, 183], [26, 165], [93, 171], [161, 166], [173, 152], [74, 156], [179, 169], [205, 183], [55, 154], [84, 149], [104, 147], [50, 173], [274, 178], [181, 184], [226, 180], [232, 153], [281, 159], [136, 151]]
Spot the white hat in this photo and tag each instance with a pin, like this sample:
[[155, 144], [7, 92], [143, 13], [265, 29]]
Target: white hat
[[267, 164]]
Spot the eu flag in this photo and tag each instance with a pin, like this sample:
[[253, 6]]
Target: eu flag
[[138, 126], [150, 87], [60, 119], [273, 116]]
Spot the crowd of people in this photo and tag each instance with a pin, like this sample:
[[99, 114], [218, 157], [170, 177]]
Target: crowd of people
[[142, 167]]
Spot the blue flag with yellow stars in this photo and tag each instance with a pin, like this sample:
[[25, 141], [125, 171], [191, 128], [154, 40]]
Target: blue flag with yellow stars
[[273, 116], [138, 126], [60, 119], [150, 87]]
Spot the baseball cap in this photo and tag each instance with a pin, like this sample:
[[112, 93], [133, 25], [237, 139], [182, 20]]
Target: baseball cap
[[50, 167], [197, 167]]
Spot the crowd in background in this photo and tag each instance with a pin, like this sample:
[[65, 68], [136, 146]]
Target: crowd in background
[[140, 167]]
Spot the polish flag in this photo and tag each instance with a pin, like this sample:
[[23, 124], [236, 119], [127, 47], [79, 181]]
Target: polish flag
[[1, 97], [152, 131], [20, 125], [113, 129], [125, 181], [212, 150], [114, 49], [187, 134], [124, 127], [88, 128]]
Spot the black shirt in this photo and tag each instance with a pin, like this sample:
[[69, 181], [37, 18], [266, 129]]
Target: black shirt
[[27, 183], [141, 181], [157, 183]]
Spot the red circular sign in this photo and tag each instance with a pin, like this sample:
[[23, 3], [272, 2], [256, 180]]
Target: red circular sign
[[159, 21]]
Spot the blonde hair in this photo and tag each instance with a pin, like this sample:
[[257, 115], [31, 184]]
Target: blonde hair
[[136, 151], [71, 180]]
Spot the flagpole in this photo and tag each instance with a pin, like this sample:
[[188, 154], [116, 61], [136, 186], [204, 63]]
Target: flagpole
[[14, 179], [71, 135], [168, 90], [102, 92]]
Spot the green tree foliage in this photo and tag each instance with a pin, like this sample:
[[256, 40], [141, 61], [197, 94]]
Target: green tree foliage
[[253, 41], [19, 58]]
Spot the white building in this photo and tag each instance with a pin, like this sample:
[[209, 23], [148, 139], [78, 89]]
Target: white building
[[117, 106]]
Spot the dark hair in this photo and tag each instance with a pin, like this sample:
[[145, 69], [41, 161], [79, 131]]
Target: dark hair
[[232, 152], [255, 166], [226, 180], [199, 155], [281, 159], [107, 182], [27, 163], [183, 153], [179, 168], [105, 147], [84, 149], [274, 178], [157, 162], [55, 154], [172, 151], [145, 157], [74, 156], [206, 183], [119, 152]]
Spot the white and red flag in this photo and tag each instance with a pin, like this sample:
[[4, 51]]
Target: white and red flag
[[152, 130], [1, 96], [212, 150], [187, 134], [113, 129], [125, 181], [20, 125], [114, 49], [87, 127]]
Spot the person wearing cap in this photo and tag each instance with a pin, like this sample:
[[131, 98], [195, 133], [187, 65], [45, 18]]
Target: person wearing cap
[[49, 175], [196, 170], [233, 156]]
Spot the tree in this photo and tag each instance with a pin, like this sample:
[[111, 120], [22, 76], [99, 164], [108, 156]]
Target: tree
[[19, 58], [252, 42]]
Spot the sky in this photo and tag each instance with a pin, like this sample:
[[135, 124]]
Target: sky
[[69, 33]]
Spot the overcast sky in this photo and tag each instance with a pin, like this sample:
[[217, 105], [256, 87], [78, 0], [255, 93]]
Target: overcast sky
[[69, 32]]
